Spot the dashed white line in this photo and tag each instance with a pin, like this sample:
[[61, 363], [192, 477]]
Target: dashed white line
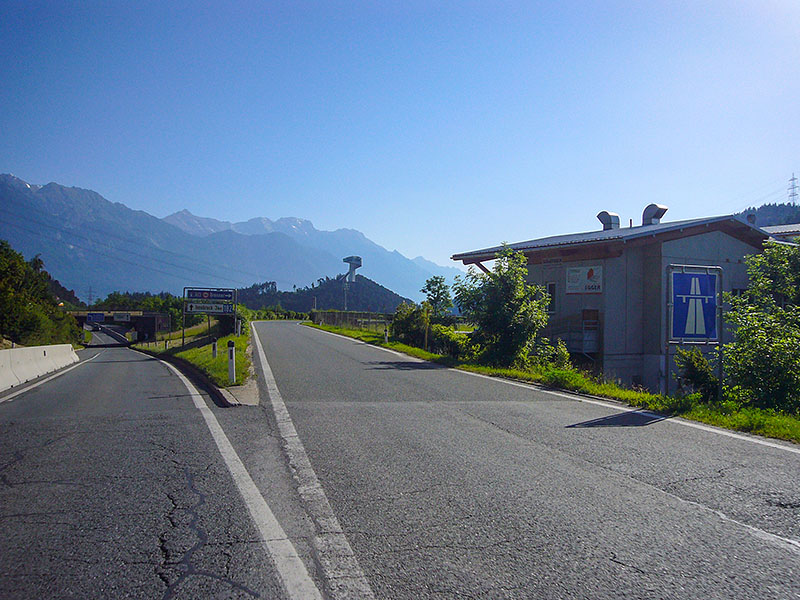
[[343, 574]]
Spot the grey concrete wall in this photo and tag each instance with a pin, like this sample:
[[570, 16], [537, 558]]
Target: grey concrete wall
[[567, 306], [632, 307]]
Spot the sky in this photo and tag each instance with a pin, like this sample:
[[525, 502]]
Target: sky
[[432, 127]]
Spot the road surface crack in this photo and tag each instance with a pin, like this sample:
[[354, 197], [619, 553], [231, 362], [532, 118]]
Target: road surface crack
[[175, 569]]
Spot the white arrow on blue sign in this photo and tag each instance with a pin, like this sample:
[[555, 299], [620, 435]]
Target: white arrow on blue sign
[[694, 306]]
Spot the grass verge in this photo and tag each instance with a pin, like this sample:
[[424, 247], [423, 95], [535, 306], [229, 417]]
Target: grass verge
[[728, 415], [215, 369], [194, 330]]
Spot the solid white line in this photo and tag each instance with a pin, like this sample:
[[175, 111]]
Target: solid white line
[[674, 420], [787, 543], [585, 400], [291, 569], [336, 556], [58, 374]]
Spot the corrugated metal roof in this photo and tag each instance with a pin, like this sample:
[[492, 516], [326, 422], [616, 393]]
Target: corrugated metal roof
[[779, 229], [601, 236]]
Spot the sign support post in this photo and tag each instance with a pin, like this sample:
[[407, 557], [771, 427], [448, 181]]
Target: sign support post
[[694, 312]]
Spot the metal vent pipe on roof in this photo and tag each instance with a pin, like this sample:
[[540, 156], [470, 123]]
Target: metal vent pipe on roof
[[652, 214], [609, 220]]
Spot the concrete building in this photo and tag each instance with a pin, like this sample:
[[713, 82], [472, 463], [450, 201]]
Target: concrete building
[[610, 288]]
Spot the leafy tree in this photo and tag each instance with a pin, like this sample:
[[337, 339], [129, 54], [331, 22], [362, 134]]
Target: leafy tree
[[29, 313], [508, 312], [438, 295], [763, 361]]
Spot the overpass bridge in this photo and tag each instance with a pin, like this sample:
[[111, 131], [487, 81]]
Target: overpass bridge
[[145, 323]]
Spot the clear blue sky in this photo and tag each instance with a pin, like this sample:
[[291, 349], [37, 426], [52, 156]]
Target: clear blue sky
[[432, 127]]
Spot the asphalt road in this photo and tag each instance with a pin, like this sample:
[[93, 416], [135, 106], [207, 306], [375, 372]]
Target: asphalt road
[[111, 486], [454, 486]]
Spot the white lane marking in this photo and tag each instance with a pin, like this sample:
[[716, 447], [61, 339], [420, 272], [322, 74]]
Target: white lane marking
[[291, 569], [390, 351], [675, 420], [58, 374], [786, 543], [585, 400], [337, 559]]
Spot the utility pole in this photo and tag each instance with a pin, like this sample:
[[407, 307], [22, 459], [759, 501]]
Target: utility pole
[[793, 190], [91, 296]]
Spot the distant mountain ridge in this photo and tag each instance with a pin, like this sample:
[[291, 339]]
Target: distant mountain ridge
[[339, 243], [88, 242]]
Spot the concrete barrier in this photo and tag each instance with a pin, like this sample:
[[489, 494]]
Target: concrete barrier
[[25, 364], [7, 377]]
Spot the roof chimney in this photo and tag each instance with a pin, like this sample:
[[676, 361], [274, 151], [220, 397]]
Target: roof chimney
[[609, 220], [751, 218], [652, 214]]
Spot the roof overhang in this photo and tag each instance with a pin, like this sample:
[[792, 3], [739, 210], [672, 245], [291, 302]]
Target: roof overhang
[[614, 246]]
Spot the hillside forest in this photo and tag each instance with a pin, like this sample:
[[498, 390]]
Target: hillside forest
[[31, 302]]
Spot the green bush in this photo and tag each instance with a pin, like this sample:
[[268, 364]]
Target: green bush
[[443, 340], [542, 353], [763, 361], [409, 324], [696, 371]]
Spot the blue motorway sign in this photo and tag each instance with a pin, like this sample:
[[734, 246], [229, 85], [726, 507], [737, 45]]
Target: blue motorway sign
[[95, 317], [209, 294], [694, 306]]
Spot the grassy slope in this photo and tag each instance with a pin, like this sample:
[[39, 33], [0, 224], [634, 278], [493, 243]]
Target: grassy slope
[[192, 331], [727, 415], [215, 368]]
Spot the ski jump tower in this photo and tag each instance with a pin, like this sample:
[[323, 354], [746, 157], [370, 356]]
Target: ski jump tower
[[355, 263]]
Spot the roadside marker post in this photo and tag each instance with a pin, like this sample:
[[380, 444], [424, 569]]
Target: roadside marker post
[[231, 362], [214, 348]]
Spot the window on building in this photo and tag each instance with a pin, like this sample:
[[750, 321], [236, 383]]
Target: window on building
[[551, 291]]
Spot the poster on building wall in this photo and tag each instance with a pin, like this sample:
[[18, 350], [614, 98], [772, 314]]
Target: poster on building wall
[[585, 280]]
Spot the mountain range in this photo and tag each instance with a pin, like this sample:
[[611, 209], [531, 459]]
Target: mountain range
[[90, 243]]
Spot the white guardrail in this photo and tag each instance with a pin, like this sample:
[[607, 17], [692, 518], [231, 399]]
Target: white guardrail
[[19, 365]]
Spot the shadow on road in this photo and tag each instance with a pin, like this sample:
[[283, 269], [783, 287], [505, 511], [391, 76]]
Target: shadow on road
[[633, 418], [402, 365], [112, 345]]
